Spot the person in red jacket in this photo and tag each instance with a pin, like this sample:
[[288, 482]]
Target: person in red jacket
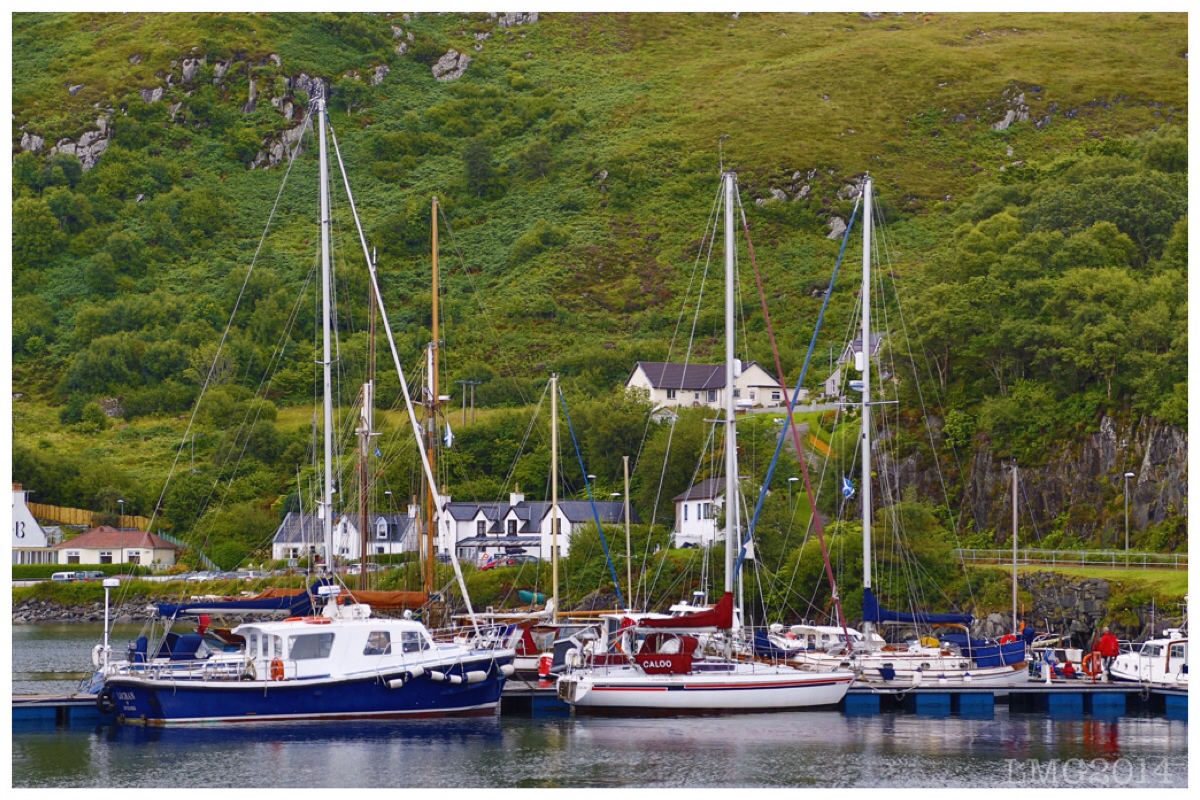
[[1108, 649]]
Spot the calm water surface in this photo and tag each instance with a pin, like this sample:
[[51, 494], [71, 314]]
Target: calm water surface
[[813, 749]]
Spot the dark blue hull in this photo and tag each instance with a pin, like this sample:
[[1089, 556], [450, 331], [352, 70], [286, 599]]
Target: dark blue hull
[[160, 702]]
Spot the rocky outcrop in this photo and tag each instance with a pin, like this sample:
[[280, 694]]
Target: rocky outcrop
[[87, 149], [451, 66], [1081, 482], [1082, 607]]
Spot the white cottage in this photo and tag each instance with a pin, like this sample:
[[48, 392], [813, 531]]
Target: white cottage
[[696, 512], [668, 384]]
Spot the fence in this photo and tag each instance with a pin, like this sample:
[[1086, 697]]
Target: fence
[[1077, 558], [81, 516]]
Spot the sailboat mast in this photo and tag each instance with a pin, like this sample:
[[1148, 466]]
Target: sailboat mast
[[731, 503], [554, 492], [1014, 564], [865, 367], [431, 418], [326, 350]]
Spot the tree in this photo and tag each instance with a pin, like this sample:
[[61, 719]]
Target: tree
[[482, 178], [36, 235]]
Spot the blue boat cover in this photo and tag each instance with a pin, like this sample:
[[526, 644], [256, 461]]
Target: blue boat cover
[[296, 605], [873, 612], [765, 648]]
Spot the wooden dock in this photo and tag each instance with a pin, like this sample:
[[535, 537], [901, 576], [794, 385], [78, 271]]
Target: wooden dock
[[540, 699]]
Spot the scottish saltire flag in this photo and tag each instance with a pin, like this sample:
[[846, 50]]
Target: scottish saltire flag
[[377, 453], [847, 488], [449, 437]]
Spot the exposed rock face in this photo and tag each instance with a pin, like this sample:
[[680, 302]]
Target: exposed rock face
[[32, 142], [88, 149], [837, 227], [1081, 608], [515, 18], [151, 95], [1083, 482], [252, 99], [450, 66], [379, 74], [191, 68]]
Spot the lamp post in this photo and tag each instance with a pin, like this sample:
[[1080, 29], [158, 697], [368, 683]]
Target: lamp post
[[121, 521], [1128, 475], [591, 480], [791, 481], [109, 583]]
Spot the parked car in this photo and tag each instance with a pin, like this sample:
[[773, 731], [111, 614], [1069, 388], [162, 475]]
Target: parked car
[[91, 575]]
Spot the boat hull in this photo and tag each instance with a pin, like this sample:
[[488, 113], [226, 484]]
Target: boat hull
[[630, 691], [161, 702], [902, 670]]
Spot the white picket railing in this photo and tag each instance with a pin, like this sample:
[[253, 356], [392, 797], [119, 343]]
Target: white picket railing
[[1076, 558]]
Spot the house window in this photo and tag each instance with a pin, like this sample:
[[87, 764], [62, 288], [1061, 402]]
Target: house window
[[775, 395], [106, 557], [480, 528], [712, 395], [512, 527], [685, 512], [697, 395], [73, 557], [737, 392], [751, 394], [706, 511], [133, 558], [379, 551], [381, 529], [670, 394]]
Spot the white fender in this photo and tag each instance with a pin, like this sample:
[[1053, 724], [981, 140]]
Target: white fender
[[476, 676], [436, 675], [396, 683], [415, 673], [96, 651], [455, 679], [507, 670]]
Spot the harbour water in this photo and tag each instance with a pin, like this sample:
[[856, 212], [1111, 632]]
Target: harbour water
[[801, 749]]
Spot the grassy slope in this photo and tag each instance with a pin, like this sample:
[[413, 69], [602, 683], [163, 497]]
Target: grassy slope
[[655, 92]]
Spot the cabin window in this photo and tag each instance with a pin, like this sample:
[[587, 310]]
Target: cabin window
[[310, 645], [413, 642], [252, 644], [379, 643], [1152, 650], [670, 394], [1177, 651]]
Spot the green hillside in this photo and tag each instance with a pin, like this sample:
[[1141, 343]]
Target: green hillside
[[575, 159]]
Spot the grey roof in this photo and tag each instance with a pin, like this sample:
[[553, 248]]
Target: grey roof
[[704, 490], [307, 528], [669, 375]]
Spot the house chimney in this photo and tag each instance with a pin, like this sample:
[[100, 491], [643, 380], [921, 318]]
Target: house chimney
[[515, 497]]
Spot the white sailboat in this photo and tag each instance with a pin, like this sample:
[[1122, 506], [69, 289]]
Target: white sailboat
[[953, 655], [653, 663]]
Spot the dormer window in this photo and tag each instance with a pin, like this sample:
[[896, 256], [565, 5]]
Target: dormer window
[[512, 527], [381, 529]]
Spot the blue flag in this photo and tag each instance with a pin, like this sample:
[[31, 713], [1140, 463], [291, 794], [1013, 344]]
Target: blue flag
[[377, 453], [449, 437], [847, 488]]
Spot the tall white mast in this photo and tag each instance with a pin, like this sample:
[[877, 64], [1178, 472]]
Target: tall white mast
[[554, 492], [865, 367], [326, 351], [732, 508]]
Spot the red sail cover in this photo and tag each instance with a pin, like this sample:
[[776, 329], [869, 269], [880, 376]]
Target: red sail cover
[[719, 616]]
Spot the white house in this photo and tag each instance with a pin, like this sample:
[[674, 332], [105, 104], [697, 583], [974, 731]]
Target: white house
[[479, 530], [696, 512], [30, 545], [108, 545], [833, 384], [302, 535], [668, 384]]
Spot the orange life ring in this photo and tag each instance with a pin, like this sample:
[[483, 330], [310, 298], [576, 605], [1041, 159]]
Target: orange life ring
[[1008, 637], [1091, 664], [276, 669]]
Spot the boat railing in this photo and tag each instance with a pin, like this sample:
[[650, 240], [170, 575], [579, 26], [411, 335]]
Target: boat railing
[[1125, 559], [191, 670]]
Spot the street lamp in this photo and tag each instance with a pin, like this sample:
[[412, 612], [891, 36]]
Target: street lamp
[[590, 481], [1128, 475], [121, 521], [791, 481]]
